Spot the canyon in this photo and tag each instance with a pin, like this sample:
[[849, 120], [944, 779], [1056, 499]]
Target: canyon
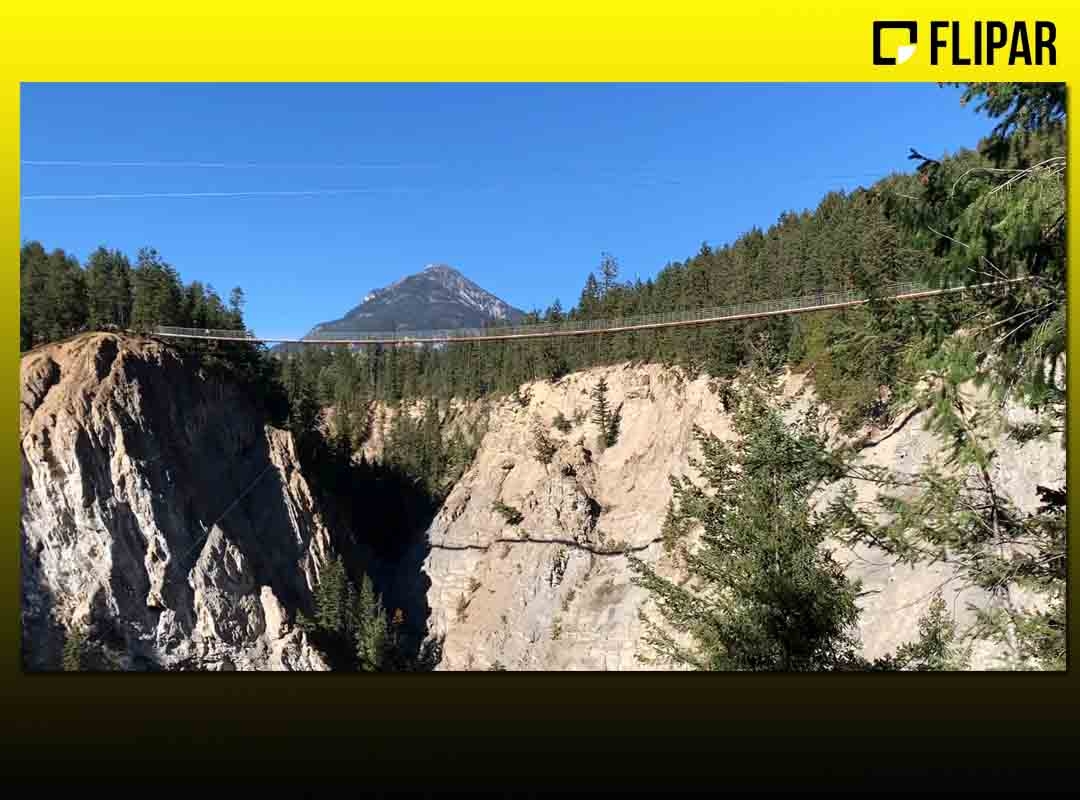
[[162, 514]]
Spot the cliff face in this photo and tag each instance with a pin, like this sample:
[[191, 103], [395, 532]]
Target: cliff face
[[550, 593], [163, 518], [159, 515]]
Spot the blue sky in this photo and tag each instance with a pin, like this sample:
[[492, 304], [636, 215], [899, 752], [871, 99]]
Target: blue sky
[[521, 187]]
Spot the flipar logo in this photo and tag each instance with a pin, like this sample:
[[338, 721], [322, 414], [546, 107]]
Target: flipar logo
[[904, 51], [985, 42]]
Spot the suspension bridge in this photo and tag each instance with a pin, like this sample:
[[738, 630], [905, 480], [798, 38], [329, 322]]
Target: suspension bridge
[[821, 301]]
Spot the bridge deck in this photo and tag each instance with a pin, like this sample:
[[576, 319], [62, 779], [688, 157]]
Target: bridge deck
[[739, 311]]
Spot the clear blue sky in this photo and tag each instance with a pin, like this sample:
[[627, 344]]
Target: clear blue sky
[[521, 187]]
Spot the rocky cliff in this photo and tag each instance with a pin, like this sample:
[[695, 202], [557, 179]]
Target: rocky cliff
[[552, 591], [160, 516]]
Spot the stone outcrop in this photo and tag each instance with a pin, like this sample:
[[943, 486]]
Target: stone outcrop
[[160, 516], [553, 591]]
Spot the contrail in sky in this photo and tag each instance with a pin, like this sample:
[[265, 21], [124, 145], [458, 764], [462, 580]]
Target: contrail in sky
[[628, 180], [217, 165], [152, 195]]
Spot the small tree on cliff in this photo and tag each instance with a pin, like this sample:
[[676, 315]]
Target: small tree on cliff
[[331, 598], [601, 410], [543, 447], [606, 419], [763, 594], [350, 623], [74, 645], [939, 647], [373, 640]]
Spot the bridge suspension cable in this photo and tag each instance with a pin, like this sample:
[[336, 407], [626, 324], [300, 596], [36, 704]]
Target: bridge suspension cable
[[822, 301]]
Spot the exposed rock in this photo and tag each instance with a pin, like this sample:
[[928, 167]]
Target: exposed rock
[[159, 514], [554, 591], [162, 516], [439, 297]]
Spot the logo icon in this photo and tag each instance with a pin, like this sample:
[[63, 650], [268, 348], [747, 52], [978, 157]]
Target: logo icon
[[904, 51]]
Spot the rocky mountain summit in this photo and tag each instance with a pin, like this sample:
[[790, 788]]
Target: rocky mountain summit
[[439, 297]]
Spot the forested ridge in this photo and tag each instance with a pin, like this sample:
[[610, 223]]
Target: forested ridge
[[859, 240], [979, 214], [60, 298]]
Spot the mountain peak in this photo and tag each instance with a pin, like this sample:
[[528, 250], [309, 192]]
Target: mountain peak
[[441, 268], [437, 297], [444, 273]]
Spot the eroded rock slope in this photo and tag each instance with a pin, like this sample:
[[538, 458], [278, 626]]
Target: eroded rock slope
[[553, 592], [160, 516]]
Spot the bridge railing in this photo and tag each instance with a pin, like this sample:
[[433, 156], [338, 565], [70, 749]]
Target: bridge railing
[[205, 333], [570, 327]]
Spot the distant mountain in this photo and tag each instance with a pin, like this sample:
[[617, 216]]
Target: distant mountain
[[438, 297]]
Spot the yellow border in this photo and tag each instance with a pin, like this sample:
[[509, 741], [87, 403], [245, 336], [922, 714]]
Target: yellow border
[[554, 40], [467, 40]]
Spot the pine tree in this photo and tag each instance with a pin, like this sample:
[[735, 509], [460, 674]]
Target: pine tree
[[589, 304], [330, 598], [986, 224], [601, 410], [606, 420], [236, 307], [157, 292], [74, 649], [554, 313], [937, 648], [609, 273], [764, 594], [62, 303], [1009, 221], [108, 289], [611, 433], [543, 447], [373, 631], [1020, 108], [32, 271]]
